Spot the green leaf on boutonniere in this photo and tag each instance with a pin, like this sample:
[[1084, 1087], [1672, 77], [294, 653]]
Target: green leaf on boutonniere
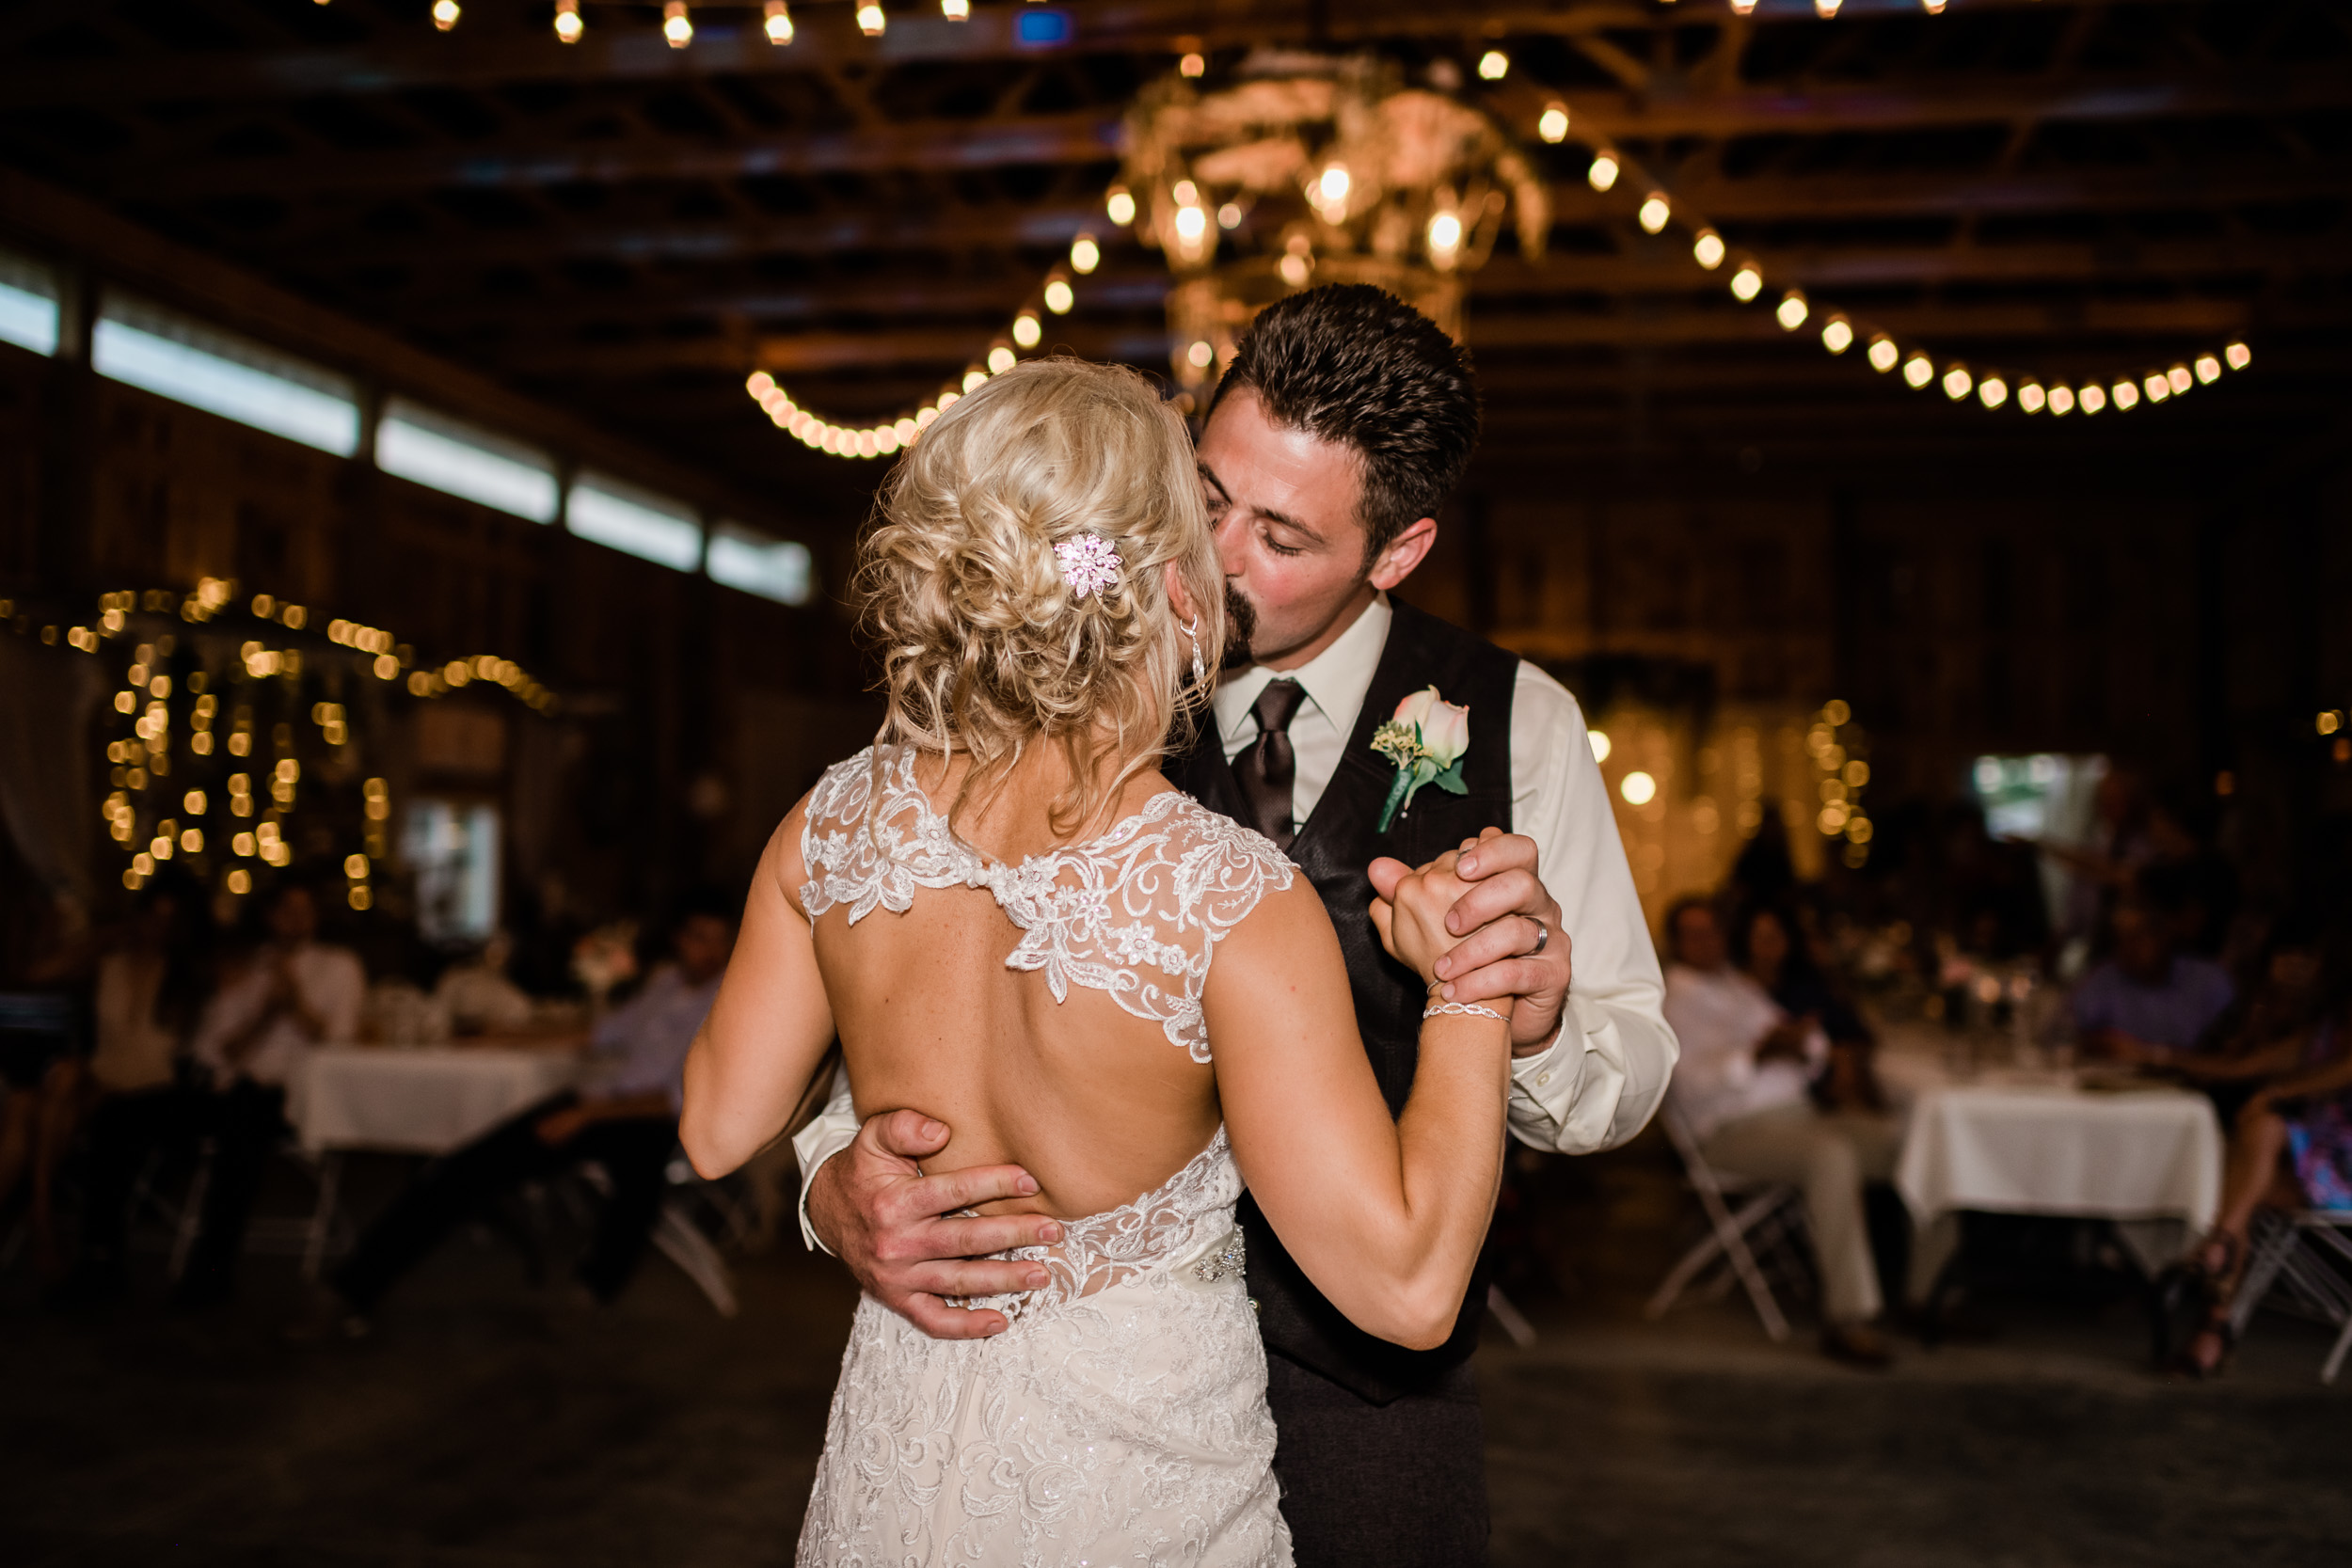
[[1451, 780]]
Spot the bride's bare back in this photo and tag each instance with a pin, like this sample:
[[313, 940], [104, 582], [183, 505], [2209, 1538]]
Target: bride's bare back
[[1043, 999]]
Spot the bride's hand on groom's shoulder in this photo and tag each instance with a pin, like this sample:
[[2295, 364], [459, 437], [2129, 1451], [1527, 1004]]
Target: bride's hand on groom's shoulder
[[1510, 942]]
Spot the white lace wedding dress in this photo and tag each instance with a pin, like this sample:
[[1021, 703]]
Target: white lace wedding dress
[[1122, 1418]]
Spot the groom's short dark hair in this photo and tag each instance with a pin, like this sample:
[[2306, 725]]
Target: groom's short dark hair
[[1355, 365]]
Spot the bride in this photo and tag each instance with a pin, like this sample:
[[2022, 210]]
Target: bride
[[1009, 917]]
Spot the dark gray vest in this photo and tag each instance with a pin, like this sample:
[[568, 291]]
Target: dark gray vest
[[1335, 845]]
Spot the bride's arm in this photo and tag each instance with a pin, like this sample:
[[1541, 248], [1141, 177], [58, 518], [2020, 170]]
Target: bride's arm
[[1386, 1217], [755, 1054]]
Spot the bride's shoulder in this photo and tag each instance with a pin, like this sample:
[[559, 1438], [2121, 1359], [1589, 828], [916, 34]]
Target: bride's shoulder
[[1214, 833]]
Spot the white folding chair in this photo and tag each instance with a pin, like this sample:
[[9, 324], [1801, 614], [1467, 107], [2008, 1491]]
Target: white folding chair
[[1766, 1228], [2309, 1251]]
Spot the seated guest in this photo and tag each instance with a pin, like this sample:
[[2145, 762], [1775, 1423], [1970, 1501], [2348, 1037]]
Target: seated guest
[[2290, 1149], [294, 993], [626, 1123], [1743, 1088], [1773, 954], [2150, 1003], [153, 987]]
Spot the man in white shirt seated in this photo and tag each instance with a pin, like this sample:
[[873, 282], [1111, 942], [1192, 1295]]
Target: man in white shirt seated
[[295, 992], [1743, 1088], [626, 1121]]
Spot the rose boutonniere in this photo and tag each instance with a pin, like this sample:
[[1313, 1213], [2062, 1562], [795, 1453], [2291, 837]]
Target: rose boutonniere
[[1425, 738]]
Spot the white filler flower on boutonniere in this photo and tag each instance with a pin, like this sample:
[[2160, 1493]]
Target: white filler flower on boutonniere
[[1425, 738]]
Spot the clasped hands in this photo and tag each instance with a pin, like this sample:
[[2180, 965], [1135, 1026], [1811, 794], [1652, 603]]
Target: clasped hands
[[910, 1239]]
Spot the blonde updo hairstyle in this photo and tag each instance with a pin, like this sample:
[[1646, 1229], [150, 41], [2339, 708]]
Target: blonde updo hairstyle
[[986, 649]]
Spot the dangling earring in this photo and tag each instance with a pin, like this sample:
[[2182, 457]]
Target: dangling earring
[[1200, 670]]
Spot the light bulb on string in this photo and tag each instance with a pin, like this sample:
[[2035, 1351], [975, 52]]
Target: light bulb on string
[[1957, 381], [1707, 249], [1603, 173], [1747, 282], [2208, 369], [1552, 124], [778, 23], [2093, 397], [1085, 254], [1918, 370], [1001, 359], [1826, 9], [956, 10], [2238, 355], [973, 379], [567, 24], [870, 20], [1993, 391], [445, 14], [1837, 334], [1883, 353], [1654, 212], [1199, 354], [1193, 64], [1742, 8], [2181, 381], [2158, 386], [675, 25], [2031, 397], [1493, 65], [2061, 400], [2124, 396], [1934, 8], [1793, 311], [1331, 188], [1058, 297], [1120, 205], [1445, 240], [1026, 331]]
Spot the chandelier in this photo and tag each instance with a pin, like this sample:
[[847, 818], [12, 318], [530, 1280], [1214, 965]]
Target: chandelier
[[1316, 170]]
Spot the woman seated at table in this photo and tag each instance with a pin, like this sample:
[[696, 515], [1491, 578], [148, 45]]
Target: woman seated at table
[[1774, 950], [2291, 1147]]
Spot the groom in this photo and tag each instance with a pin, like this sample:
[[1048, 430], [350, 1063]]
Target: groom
[[1344, 423]]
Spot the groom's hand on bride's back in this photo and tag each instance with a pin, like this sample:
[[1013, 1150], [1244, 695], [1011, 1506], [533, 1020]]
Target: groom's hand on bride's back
[[875, 1209], [1512, 945]]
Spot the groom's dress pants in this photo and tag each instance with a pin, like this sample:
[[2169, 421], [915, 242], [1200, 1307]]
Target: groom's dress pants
[[1364, 1485]]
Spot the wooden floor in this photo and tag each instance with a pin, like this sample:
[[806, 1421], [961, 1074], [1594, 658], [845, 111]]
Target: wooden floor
[[488, 1424]]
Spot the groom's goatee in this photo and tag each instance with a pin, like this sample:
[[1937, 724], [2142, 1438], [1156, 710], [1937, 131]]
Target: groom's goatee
[[1241, 624]]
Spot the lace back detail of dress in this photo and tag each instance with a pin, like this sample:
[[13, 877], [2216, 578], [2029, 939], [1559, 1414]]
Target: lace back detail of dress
[[1136, 913]]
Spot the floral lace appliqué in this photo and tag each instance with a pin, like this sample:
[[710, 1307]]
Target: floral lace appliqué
[[1136, 913]]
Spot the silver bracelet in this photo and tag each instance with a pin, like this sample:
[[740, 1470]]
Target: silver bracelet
[[1461, 1009]]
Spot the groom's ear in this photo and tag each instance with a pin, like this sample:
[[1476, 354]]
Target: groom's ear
[[1405, 552]]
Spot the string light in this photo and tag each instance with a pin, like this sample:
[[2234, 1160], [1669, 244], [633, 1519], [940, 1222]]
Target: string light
[[1493, 65], [1883, 353], [1827, 9], [1706, 248], [567, 24], [1747, 282], [1026, 331], [2159, 387], [2031, 397], [2238, 355], [1918, 370], [2061, 400], [956, 10], [777, 22], [1085, 254], [1837, 334], [1956, 382], [445, 14], [1603, 173], [1058, 297], [870, 20], [1193, 64], [1120, 205], [2124, 396], [1793, 311], [2208, 369], [1993, 391], [1654, 212], [675, 23], [1552, 124], [2093, 397]]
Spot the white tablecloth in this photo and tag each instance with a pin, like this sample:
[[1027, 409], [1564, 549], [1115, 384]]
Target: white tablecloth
[[419, 1101], [2141, 1155]]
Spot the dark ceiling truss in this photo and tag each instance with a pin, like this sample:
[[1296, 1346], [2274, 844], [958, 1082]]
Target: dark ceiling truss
[[2067, 181]]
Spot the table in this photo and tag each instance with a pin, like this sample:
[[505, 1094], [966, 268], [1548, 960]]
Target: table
[[423, 1100], [2023, 1143]]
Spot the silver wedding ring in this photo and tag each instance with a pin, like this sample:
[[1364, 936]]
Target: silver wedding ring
[[1543, 936]]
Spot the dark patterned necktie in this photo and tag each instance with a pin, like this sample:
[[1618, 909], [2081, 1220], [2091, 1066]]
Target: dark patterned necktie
[[1266, 769]]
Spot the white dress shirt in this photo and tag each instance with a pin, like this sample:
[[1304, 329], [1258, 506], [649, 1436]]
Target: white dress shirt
[[1721, 1016], [1602, 1077], [332, 987]]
